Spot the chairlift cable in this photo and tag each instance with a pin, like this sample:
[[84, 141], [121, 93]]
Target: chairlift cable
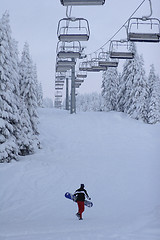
[[118, 29]]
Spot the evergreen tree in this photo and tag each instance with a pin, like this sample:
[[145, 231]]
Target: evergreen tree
[[120, 85], [137, 107], [134, 92], [89, 102], [154, 97], [9, 115], [126, 82], [110, 89], [40, 95], [26, 140], [38, 88], [28, 89]]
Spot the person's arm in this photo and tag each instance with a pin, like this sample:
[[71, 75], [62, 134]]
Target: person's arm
[[87, 194], [75, 193]]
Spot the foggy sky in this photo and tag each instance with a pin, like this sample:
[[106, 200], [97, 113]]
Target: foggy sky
[[35, 21]]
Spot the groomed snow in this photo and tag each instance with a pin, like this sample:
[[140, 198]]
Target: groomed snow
[[118, 160]]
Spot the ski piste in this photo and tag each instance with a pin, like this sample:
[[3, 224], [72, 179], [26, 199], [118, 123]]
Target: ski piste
[[73, 198]]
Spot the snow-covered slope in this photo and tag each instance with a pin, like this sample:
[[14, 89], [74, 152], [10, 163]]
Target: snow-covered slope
[[118, 160]]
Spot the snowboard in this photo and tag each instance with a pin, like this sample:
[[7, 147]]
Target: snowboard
[[72, 197]]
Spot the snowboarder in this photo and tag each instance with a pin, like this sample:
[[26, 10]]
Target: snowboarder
[[80, 194]]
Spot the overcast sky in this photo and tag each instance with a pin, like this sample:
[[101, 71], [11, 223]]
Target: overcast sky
[[35, 21]]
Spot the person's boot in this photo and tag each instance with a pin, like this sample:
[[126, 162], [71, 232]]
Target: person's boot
[[78, 215]]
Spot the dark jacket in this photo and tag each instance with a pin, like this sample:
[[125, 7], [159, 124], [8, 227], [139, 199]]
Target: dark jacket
[[81, 193]]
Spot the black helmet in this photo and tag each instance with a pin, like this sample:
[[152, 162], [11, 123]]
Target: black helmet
[[82, 185]]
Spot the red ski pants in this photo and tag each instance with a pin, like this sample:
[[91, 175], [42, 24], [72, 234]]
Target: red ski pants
[[80, 208]]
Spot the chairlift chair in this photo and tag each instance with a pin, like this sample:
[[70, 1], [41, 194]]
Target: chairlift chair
[[59, 81], [81, 2], [73, 29], [106, 61], [81, 74], [68, 63], [69, 50], [77, 85], [78, 80], [108, 64], [59, 85], [59, 78], [91, 66], [95, 67], [58, 101], [58, 88], [85, 66], [58, 96], [143, 30], [62, 68], [119, 49]]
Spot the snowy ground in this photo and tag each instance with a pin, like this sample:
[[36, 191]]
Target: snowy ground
[[118, 160]]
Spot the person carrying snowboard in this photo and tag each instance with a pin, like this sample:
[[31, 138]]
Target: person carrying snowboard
[[80, 194]]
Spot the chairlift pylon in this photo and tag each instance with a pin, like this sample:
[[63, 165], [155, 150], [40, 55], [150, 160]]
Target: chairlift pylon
[[81, 2], [143, 30], [120, 49], [70, 30]]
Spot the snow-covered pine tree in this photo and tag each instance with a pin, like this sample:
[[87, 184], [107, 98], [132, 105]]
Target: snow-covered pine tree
[[38, 86], [122, 90], [154, 97], [126, 82], [24, 133], [119, 89], [139, 92], [40, 95], [28, 89], [95, 102], [134, 92], [110, 89], [26, 140], [158, 90], [89, 102], [9, 115], [80, 101]]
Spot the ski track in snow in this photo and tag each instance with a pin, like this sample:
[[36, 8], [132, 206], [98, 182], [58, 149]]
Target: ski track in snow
[[116, 157]]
